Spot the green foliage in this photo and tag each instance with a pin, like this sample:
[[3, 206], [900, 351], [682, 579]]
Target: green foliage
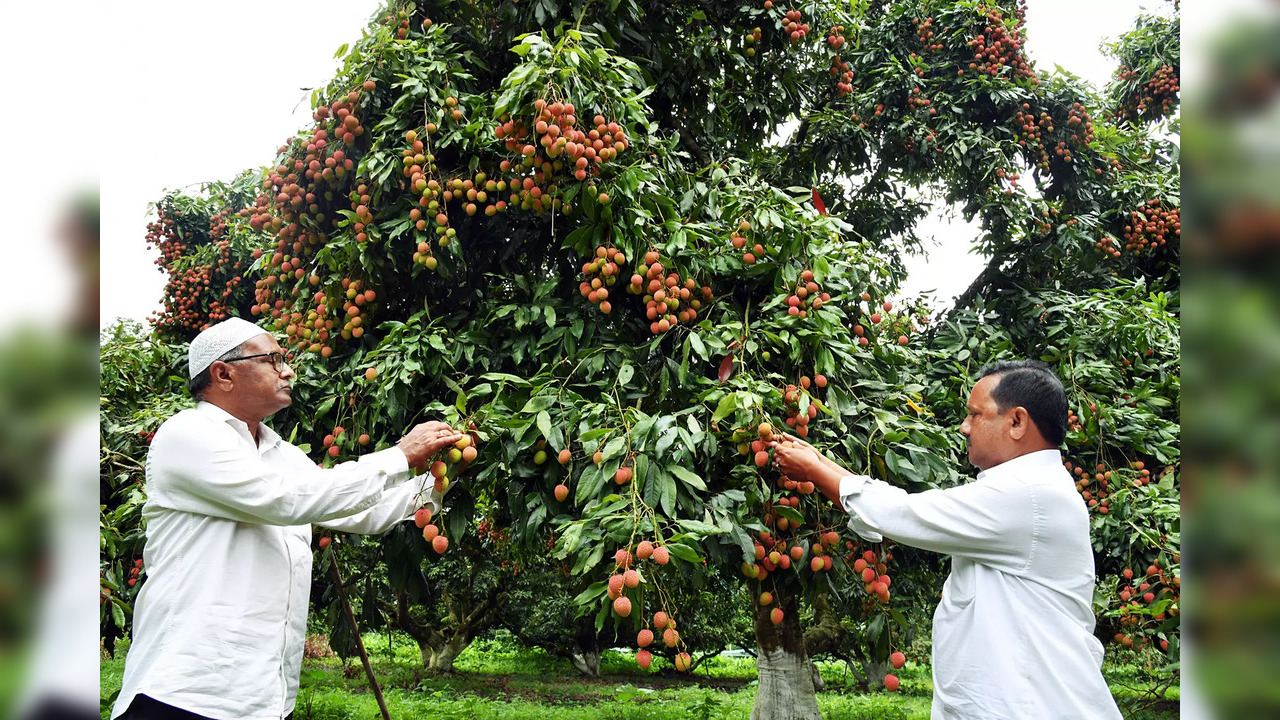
[[496, 321]]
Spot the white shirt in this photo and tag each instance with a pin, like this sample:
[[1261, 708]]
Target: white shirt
[[1013, 633], [220, 623], [65, 664]]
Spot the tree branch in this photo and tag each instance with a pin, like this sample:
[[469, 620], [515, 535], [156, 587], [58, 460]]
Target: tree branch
[[687, 139], [479, 613], [404, 620], [989, 273], [827, 635], [802, 133]]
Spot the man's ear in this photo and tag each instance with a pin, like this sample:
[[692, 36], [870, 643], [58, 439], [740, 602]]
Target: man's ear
[[1021, 423], [220, 375]]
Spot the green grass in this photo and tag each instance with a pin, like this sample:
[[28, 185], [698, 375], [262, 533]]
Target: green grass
[[499, 680]]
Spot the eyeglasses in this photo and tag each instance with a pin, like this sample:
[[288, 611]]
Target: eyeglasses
[[277, 359]]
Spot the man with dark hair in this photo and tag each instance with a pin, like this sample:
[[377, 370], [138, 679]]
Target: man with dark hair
[[1013, 634], [220, 622], [1032, 385]]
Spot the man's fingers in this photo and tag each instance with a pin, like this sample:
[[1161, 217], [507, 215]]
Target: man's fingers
[[444, 440]]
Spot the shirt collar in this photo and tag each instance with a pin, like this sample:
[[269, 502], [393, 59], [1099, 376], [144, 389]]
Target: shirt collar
[[267, 437], [1030, 461]]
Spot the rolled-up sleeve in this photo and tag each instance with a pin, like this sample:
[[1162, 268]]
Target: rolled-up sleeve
[[200, 467], [989, 522]]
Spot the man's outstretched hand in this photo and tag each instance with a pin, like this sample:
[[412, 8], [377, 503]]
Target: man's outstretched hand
[[795, 458], [425, 440], [800, 461]]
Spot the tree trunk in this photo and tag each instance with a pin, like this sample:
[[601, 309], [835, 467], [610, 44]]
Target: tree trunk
[[876, 670], [439, 651], [440, 647], [818, 683], [786, 690], [824, 636], [442, 662], [588, 647], [586, 661]]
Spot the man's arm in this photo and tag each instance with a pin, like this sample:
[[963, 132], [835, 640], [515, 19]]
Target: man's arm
[[986, 522], [397, 505], [981, 521], [195, 470]]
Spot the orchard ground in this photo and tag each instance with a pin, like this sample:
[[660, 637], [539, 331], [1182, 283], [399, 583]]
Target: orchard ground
[[498, 678]]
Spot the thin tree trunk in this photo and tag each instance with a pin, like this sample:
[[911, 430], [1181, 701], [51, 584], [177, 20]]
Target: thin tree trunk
[[786, 689], [355, 632]]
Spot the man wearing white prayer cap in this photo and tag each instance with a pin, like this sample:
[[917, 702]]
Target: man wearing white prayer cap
[[219, 626]]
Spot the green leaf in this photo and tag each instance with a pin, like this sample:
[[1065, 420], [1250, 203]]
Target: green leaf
[[625, 373], [697, 527], [504, 377], [899, 618], [641, 471], [695, 342], [614, 447], [571, 538], [741, 537], [544, 424], [640, 431], [692, 423], [589, 483], [592, 592], [727, 405], [684, 552], [688, 476], [667, 498], [538, 403], [789, 513]]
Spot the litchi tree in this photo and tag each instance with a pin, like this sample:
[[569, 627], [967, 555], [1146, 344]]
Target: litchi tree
[[618, 324]]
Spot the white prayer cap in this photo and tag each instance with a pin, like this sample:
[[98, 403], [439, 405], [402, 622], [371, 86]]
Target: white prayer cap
[[214, 342]]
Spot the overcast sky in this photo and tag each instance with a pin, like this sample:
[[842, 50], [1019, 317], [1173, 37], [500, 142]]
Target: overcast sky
[[215, 88]]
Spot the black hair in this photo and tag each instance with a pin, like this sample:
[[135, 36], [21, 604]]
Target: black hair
[[1031, 385], [198, 384]]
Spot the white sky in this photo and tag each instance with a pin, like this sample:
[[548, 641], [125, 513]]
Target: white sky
[[208, 96]]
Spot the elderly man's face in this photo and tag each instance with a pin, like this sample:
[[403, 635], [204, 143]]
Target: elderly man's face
[[257, 383]]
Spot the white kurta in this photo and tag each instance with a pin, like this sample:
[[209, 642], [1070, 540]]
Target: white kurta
[[1013, 633], [220, 623]]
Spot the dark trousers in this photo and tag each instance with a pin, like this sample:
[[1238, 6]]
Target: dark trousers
[[145, 708], [53, 708]]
